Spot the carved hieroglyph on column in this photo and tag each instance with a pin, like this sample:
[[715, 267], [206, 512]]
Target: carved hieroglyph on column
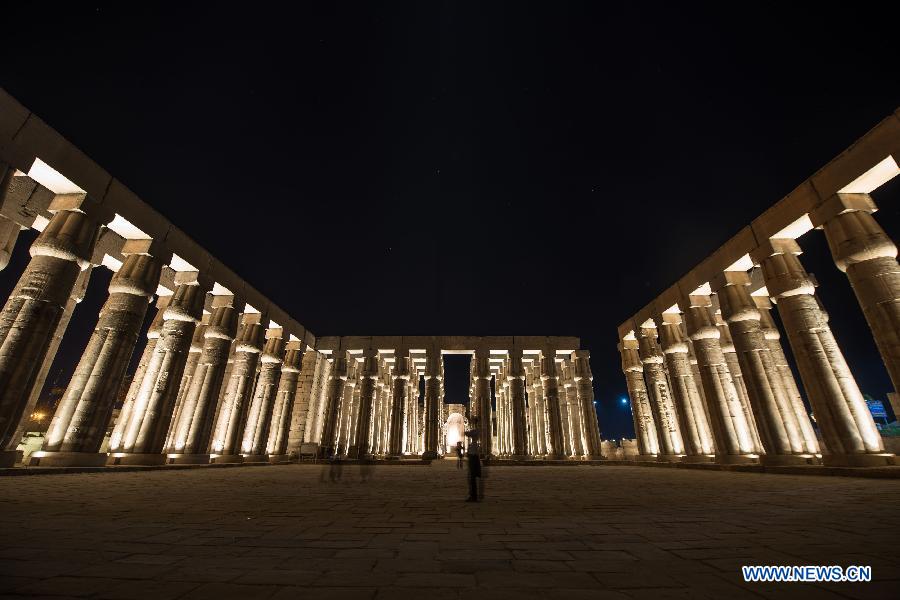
[[585, 388], [737, 377], [434, 373], [153, 406], [667, 428], [285, 398], [236, 396], [34, 309], [863, 251], [550, 383], [259, 417], [777, 423], [694, 425], [842, 415], [194, 429], [641, 413], [734, 441]]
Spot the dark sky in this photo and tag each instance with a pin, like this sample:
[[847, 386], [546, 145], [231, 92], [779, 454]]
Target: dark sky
[[466, 168]]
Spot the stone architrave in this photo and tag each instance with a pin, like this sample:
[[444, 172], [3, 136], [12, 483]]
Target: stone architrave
[[35, 308], [848, 429], [868, 256], [668, 432]]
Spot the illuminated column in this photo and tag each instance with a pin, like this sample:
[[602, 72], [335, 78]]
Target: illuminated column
[[369, 374], [190, 367], [481, 400], [734, 369], [434, 373], [259, 417], [734, 441], [585, 390], [515, 375], [76, 297], [773, 337], [400, 377], [348, 406], [773, 409], [333, 399], [695, 429], [641, 413], [668, 432], [236, 395], [538, 414], [154, 404], [863, 251], [565, 418], [35, 308], [79, 424], [575, 417], [387, 400], [194, 428], [842, 415], [550, 384], [285, 397]]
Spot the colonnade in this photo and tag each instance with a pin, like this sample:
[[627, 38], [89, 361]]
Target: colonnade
[[705, 366]]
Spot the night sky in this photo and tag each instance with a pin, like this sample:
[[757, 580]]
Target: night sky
[[464, 168]]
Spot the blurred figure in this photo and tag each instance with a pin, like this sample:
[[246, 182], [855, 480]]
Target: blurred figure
[[473, 459], [335, 467], [366, 469], [459, 455]]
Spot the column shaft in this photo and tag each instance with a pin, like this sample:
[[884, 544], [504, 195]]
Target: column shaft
[[285, 398], [259, 417]]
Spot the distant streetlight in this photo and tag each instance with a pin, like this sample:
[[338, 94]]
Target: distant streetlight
[[624, 401]]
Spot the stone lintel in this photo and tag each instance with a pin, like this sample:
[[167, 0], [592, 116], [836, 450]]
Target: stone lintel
[[841, 203], [726, 278], [771, 247]]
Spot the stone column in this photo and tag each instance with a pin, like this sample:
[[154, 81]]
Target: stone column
[[259, 417], [194, 428], [153, 405], [434, 373], [481, 373], [190, 367], [692, 419], [333, 399], [538, 416], [734, 368], [237, 393], [585, 389], [387, 406], [773, 409], [35, 308], [9, 233], [369, 375], [773, 343], [863, 251], [79, 424], [277, 444], [400, 380], [348, 403], [641, 413], [515, 374], [668, 431], [734, 440], [550, 385], [842, 415], [575, 416], [77, 296]]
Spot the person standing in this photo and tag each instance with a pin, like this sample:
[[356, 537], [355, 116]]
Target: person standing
[[459, 455]]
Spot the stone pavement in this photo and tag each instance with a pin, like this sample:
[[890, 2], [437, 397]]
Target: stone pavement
[[552, 532]]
